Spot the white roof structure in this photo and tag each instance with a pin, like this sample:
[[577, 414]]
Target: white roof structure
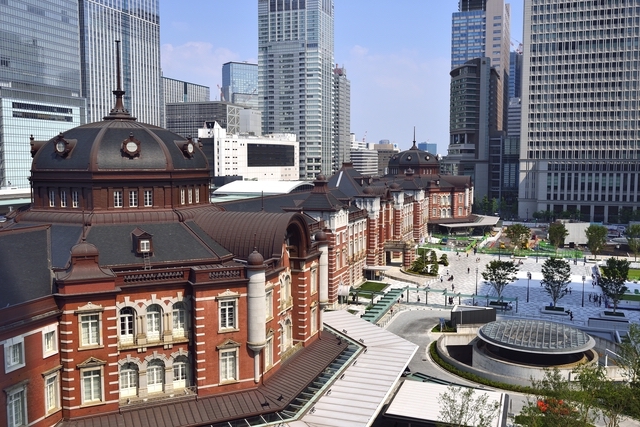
[[261, 187], [482, 221], [356, 398], [420, 401]]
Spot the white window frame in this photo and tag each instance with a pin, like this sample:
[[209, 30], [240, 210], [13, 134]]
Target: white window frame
[[117, 199], [49, 341], [190, 195], [228, 365], [133, 198], [154, 318], [148, 198], [197, 191], [269, 304], [14, 354], [74, 199], [52, 393], [91, 338], [17, 415], [268, 353], [182, 196], [63, 198], [314, 280], [228, 313], [145, 245], [180, 374], [92, 383], [52, 198], [128, 381], [314, 319], [179, 320], [126, 325], [155, 377]]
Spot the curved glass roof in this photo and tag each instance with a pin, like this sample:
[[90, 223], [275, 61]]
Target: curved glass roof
[[536, 336]]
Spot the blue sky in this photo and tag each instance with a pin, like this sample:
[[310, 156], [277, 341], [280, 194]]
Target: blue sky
[[396, 53]]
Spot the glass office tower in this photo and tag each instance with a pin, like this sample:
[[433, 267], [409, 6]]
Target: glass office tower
[[39, 80], [295, 76], [240, 83], [580, 129], [136, 23]]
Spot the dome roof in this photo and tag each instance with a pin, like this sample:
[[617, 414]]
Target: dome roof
[[118, 145], [418, 161]]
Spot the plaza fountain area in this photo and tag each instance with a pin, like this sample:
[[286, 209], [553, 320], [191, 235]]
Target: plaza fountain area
[[516, 350]]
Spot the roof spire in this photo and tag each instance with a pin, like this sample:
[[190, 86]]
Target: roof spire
[[118, 112], [414, 147]]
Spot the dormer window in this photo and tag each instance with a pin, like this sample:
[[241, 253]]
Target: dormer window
[[142, 242]]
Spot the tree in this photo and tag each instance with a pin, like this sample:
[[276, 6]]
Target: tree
[[629, 352], [556, 275], [518, 234], [614, 274], [499, 274], [552, 406], [596, 238], [460, 407], [633, 239], [557, 234]]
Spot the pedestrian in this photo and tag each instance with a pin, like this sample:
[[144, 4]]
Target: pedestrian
[[569, 291], [589, 297], [600, 302], [452, 287], [468, 270], [447, 271], [418, 298], [441, 279], [467, 254], [571, 315]]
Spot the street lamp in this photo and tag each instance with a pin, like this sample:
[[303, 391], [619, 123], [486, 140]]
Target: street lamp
[[583, 279], [528, 280], [474, 296], [537, 247]]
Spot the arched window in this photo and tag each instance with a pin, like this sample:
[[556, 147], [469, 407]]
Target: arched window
[[180, 372], [286, 291], [127, 322], [128, 380], [154, 322], [155, 376], [287, 335], [179, 319]]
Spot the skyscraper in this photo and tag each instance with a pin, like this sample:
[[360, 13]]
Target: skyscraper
[[39, 80], [580, 138], [136, 23], [341, 117], [295, 76], [481, 28], [240, 83]]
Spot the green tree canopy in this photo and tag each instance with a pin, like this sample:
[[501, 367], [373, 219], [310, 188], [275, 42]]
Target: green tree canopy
[[557, 234], [614, 274], [556, 275], [633, 239], [518, 234], [629, 360], [596, 238], [499, 274], [461, 407]]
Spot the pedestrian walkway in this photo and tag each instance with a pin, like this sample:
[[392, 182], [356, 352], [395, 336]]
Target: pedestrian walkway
[[466, 281]]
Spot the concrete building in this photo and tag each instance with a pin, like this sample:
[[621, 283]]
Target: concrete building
[[385, 152], [579, 147], [365, 162], [272, 157], [40, 81], [295, 80], [341, 117], [136, 24], [180, 91], [240, 84], [475, 118], [185, 118]]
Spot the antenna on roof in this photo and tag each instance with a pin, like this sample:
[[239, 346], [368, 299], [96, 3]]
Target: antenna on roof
[[83, 226], [414, 139], [262, 201]]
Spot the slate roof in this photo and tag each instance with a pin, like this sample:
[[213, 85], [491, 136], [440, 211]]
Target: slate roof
[[25, 270], [172, 242], [290, 380]]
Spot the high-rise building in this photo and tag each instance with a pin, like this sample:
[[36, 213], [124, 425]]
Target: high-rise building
[[481, 28], [136, 23], [515, 74], [430, 147], [580, 138], [240, 84], [475, 117], [185, 118], [295, 78], [341, 117], [179, 91], [39, 80]]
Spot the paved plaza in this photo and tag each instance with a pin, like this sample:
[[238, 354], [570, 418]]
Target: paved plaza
[[463, 270]]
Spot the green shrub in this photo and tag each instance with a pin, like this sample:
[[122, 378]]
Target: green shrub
[[444, 260]]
